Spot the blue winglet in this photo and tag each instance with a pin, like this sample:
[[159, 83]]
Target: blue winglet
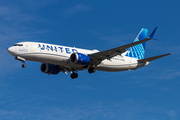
[[152, 34]]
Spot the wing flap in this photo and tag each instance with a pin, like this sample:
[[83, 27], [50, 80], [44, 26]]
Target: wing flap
[[153, 58]]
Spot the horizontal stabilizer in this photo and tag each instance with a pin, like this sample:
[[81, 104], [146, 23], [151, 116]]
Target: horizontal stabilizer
[[153, 58]]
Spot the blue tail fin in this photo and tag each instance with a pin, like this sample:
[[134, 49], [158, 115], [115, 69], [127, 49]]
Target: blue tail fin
[[138, 51]]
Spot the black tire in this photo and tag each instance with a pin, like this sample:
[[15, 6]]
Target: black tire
[[74, 75], [23, 65], [91, 70]]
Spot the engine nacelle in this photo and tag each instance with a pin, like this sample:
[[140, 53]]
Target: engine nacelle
[[79, 58], [50, 68]]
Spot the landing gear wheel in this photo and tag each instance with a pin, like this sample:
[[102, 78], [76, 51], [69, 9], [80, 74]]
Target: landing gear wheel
[[23, 65], [91, 70], [74, 75]]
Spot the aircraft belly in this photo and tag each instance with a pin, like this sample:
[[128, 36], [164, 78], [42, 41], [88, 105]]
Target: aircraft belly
[[116, 66], [112, 67]]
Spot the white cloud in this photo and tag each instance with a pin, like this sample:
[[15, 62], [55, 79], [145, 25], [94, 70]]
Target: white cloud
[[38, 3], [169, 73], [126, 110], [75, 9], [172, 114]]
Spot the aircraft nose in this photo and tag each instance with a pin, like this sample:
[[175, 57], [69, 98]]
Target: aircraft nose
[[10, 50]]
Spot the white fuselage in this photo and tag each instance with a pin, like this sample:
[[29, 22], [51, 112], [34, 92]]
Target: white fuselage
[[59, 55]]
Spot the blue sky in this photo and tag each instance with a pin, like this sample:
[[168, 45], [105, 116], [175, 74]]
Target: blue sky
[[148, 93]]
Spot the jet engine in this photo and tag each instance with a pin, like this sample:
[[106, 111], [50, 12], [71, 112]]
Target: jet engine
[[79, 58], [50, 68]]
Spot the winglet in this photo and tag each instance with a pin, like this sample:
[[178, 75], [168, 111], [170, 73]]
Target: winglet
[[152, 34]]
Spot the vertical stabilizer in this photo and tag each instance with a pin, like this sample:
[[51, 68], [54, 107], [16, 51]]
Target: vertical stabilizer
[[138, 51]]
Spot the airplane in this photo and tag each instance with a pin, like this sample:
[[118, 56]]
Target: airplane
[[58, 58]]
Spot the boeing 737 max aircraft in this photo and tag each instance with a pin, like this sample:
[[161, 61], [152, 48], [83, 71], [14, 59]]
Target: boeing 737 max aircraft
[[56, 58]]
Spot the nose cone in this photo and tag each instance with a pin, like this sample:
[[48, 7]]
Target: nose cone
[[10, 50]]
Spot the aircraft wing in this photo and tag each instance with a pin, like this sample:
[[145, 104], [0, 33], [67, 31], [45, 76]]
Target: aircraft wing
[[107, 54], [153, 58]]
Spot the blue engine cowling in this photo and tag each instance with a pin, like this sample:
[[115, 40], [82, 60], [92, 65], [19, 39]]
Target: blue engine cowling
[[50, 68], [79, 58]]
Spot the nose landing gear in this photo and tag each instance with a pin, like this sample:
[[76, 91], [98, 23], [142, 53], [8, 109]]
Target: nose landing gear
[[22, 60], [23, 65]]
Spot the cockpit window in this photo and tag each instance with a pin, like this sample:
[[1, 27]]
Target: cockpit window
[[18, 45]]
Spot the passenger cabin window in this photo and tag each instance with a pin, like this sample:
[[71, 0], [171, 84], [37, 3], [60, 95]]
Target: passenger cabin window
[[18, 45]]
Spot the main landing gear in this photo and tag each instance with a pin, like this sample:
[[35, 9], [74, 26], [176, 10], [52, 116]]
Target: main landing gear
[[22, 60], [74, 75], [91, 70]]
